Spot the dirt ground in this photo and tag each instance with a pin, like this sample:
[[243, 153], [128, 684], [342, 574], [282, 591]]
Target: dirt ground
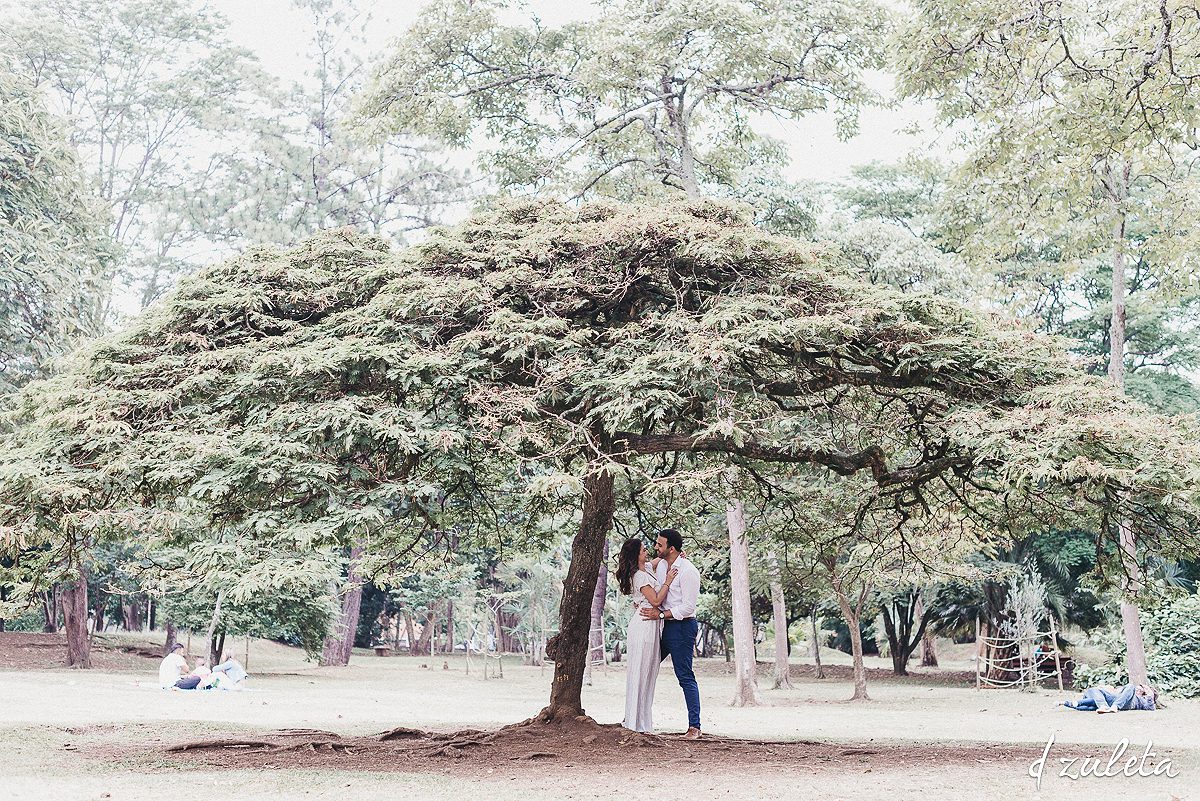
[[313, 733], [23, 651]]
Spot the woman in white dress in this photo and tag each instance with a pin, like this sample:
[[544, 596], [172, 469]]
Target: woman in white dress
[[642, 640]]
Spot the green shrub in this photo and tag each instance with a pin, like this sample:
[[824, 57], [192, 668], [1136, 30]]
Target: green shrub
[[1172, 635], [32, 620]]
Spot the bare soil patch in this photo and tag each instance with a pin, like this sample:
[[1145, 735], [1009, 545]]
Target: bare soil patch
[[876, 675], [534, 747], [20, 650]]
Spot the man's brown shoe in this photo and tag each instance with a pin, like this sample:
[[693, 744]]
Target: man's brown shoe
[[692, 734]]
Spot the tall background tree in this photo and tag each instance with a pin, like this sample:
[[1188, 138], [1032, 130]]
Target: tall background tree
[[197, 151], [54, 257], [1114, 190]]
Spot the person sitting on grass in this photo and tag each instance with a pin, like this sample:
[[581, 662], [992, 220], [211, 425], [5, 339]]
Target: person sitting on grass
[[171, 671], [202, 671], [229, 675], [1108, 699]]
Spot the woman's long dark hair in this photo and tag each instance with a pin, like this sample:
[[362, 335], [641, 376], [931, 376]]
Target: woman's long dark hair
[[627, 564]]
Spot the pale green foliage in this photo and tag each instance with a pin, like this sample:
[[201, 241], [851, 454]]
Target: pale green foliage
[[300, 168], [339, 392], [298, 614], [150, 87], [1080, 135], [533, 589], [197, 151], [53, 255], [649, 94], [1026, 608]]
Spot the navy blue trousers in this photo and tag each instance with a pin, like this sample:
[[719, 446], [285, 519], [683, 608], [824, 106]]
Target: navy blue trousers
[[679, 642]]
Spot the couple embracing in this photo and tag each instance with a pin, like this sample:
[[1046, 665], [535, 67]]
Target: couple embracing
[[665, 590]]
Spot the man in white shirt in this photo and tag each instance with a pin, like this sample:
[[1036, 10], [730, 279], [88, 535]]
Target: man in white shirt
[[172, 669], [679, 615]]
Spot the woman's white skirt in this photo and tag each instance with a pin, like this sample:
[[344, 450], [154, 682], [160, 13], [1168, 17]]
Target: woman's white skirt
[[643, 641]]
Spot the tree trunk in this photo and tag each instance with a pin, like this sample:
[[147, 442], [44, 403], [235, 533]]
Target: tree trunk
[[899, 617], [596, 649], [1131, 623], [783, 679], [449, 649], [816, 646], [677, 116], [568, 648], [852, 613], [410, 631], [214, 651], [745, 687], [216, 648], [98, 602], [1135, 659], [172, 638], [424, 645], [75, 615], [338, 644], [50, 610], [928, 648]]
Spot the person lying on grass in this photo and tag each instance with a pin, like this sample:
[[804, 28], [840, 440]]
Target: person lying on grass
[[1108, 699]]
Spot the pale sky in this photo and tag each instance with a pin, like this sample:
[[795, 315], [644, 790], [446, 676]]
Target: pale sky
[[277, 33]]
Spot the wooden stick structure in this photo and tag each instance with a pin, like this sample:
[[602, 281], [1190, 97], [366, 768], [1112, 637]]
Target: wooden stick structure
[[1054, 644], [978, 655]]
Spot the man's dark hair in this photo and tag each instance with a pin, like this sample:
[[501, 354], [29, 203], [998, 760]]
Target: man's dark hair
[[674, 538]]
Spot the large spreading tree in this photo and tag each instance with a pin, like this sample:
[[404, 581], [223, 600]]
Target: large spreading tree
[[543, 355]]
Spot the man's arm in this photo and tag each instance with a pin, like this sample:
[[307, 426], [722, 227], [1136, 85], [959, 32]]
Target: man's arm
[[689, 592]]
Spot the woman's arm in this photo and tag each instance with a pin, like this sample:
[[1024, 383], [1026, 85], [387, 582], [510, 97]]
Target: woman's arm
[[656, 598]]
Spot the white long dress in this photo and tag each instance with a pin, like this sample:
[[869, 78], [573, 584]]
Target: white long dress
[[643, 658]]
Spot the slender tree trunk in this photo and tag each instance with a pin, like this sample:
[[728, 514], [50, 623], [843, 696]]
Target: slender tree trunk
[[745, 688], [928, 648], [1135, 659], [899, 617], [75, 609], [852, 613], [338, 644], [686, 159], [50, 610], [172, 638], [216, 648], [214, 652], [816, 644], [425, 644], [783, 679], [568, 648], [596, 649], [449, 626], [98, 602], [411, 631]]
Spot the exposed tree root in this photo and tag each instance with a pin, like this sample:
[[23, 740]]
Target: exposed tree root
[[204, 745]]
